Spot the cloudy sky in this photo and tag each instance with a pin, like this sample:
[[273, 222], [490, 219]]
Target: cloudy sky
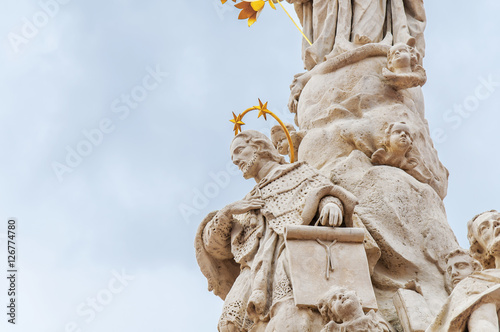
[[115, 139]]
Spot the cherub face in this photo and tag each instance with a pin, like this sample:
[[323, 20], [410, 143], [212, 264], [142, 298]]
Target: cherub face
[[400, 138], [401, 57], [346, 304], [486, 230], [458, 268], [280, 141]]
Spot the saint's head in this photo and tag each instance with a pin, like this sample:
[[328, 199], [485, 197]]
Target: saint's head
[[251, 151], [483, 232], [459, 265]]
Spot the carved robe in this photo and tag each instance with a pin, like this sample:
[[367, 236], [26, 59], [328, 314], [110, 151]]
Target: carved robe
[[337, 25], [243, 257], [478, 288]]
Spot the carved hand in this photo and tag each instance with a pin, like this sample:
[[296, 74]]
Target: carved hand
[[331, 215], [243, 206]]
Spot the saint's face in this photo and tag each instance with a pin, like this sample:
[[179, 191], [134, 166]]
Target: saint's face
[[401, 58], [400, 137], [244, 156], [486, 230], [459, 267]]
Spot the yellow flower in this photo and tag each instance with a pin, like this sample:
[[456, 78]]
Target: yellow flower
[[250, 9]]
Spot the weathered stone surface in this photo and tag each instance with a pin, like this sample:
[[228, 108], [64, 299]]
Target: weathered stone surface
[[474, 303], [240, 249], [407, 220], [322, 257]]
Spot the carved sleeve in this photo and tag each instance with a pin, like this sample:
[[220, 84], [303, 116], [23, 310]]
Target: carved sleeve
[[330, 199], [217, 236]]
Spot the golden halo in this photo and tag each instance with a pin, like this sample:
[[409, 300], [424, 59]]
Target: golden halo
[[263, 111]]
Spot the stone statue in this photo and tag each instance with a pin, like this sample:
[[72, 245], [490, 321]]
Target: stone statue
[[360, 111], [484, 237], [403, 69], [240, 247], [280, 140], [397, 152], [342, 312], [459, 265], [397, 145], [364, 73], [334, 26], [474, 304]]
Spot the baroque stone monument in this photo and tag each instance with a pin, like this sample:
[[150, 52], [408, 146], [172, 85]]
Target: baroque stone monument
[[353, 236]]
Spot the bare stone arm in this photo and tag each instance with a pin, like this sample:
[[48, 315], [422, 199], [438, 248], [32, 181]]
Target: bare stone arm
[[484, 319]]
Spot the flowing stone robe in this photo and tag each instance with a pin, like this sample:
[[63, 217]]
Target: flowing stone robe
[[243, 258], [407, 220], [334, 26], [478, 288], [344, 104]]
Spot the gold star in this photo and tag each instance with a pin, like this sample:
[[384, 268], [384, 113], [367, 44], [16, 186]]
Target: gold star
[[237, 123], [262, 110], [250, 9]]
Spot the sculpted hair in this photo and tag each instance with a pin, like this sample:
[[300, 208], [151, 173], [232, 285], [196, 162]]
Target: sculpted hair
[[325, 304], [387, 137], [477, 251], [462, 252], [262, 143], [414, 55]]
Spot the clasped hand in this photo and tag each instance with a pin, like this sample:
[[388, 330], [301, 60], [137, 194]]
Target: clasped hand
[[331, 215]]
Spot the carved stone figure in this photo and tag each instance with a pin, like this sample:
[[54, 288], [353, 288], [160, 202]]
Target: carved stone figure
[[407, 220], [397, 144], [342, 312], [240, 248], [484, 237], [280, 140], [334, 26], [459, 265], [364, 72], [474, 304], [397, 151], [403, 69]]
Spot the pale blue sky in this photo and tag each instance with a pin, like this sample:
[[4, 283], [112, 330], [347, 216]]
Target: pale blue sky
[[118, 208]]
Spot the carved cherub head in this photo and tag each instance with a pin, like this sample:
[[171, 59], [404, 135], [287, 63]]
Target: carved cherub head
[[250, 150], [398, 138], [459, 265], [280, 140], [340, 305], [483, 232], [402, 58]]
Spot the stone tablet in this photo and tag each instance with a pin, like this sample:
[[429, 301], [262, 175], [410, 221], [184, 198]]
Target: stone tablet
[[323, 257]]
